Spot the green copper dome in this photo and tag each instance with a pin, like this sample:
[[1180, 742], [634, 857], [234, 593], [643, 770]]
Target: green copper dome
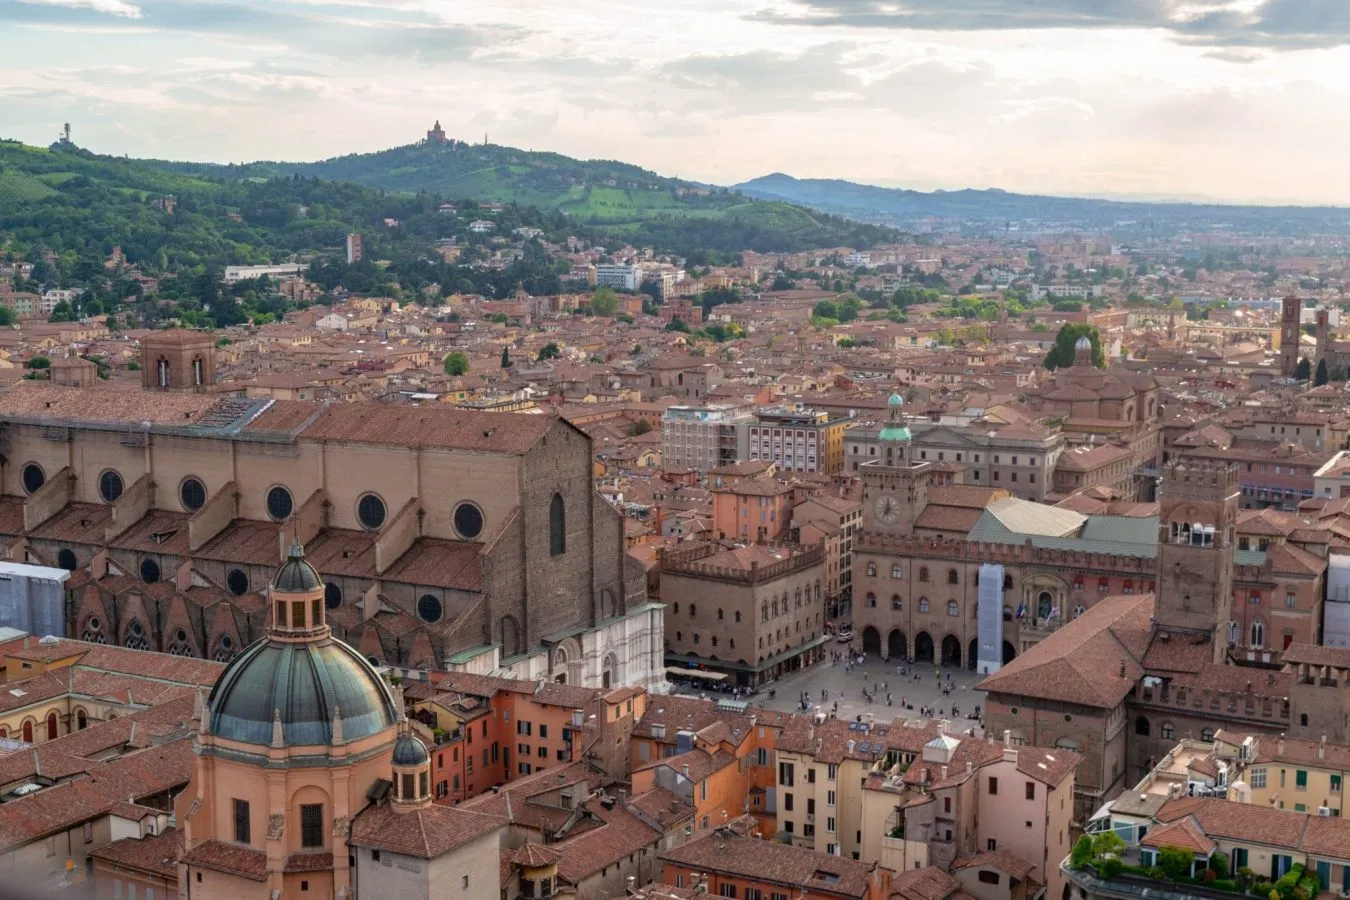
[[895, 428]]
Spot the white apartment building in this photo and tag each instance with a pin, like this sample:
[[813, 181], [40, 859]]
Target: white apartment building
[[618, 276], [281, 273]]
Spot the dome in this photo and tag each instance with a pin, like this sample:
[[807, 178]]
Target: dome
[[409, 751], [305, 683], [1084, 343], [896, 400], [296, 576]]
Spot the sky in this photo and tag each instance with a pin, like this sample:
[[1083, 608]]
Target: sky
[[1237, 100]]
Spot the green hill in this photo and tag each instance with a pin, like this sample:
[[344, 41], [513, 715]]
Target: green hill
[[607, 196]]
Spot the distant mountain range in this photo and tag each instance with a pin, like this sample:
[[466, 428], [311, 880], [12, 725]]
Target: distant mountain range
[[900, 207]]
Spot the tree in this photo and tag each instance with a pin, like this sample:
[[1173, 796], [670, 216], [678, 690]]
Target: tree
[[549, 351], [1175, 862], [7, 316], [62, 312], [641, 426], [39, 362], [1082, 852], [1064, 351], [1304, 370], [1107, 843], [456, 363], [506, 357], [677, 324], [604, 302], [1321, 377]]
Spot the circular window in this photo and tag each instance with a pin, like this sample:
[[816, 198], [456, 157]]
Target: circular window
[[66, 560], [226, 642], [468, 521], [93, 623], [373, 661], [237, 582], [33, 477], [192, 494], [429, 608], [149, 571], [332, 595], [279, 503], [370, 511], [110, 486], [181, 635], [136, 627]]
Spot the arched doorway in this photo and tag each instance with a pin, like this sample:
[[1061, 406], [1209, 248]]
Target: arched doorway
[[896, 645], [923, 647], [951, 651], [53, 727], [1009, 652], [28, 732], [871, 640], [972, 654]]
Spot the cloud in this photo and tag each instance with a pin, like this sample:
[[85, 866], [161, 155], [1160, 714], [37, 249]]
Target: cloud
[[1269, 24], [330, 28], [108, 7]]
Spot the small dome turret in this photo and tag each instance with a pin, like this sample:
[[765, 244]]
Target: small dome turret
[[409, 751], [296, 575], [896, 400]]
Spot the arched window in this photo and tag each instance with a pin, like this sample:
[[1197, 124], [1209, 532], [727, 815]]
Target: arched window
[[923, 573], [871, 600], [895, 603], [952, 577], [1303, 719], [28, 732], [1232, 632], [1258, 634], [1007, 582], [923, 604], [738, 615], [557, 527], [1206, 734], [1168, 732], [198, 372], [895, 571], [53, 726], [953, 609], [773, 607], [162, 372], [871, 570], [81, 720]]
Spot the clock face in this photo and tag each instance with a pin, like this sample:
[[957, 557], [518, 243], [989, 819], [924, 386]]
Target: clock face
[[887, 509]]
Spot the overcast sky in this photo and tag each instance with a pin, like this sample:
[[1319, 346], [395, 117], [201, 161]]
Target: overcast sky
[[1244, 100]]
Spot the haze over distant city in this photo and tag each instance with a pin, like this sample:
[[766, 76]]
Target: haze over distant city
[[1238, 100]]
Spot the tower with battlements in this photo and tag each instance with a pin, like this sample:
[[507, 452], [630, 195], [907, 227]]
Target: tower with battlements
[[1196, 519]]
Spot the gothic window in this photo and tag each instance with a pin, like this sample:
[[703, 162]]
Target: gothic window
[[180, 645], [1078, 610], [136, 636], [93, 631], [952, 577], [953, 609], [1258, 634], [557, 526], [1233, 633], [923, 604], [224, 649]]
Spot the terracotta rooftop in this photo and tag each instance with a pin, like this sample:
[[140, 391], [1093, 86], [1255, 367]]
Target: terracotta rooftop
[[232, 859], [425, 833], [768, 862]]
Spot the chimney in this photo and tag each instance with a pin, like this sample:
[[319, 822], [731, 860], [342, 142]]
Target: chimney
[[1322, 748], [944, 773], [1280, 747], [686, 771], [1007, 737]]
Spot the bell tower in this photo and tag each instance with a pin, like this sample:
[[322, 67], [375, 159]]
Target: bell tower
[[1197, 516], [1291, 312], [893, 496], [178, 360]]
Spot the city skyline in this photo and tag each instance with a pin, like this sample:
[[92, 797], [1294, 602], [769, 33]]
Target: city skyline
[[1234, 101]]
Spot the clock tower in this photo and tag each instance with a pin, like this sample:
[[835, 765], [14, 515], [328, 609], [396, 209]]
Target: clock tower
[[893, 496]]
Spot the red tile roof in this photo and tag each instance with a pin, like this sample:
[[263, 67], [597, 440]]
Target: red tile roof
[[426, 833], [231, 859]]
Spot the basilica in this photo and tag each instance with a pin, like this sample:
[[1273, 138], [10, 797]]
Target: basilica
[[449, 538]]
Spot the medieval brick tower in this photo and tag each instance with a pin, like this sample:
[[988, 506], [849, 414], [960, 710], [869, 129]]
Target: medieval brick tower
[[178, 360], [894, 496], [1197, 514], [1291, 311]]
